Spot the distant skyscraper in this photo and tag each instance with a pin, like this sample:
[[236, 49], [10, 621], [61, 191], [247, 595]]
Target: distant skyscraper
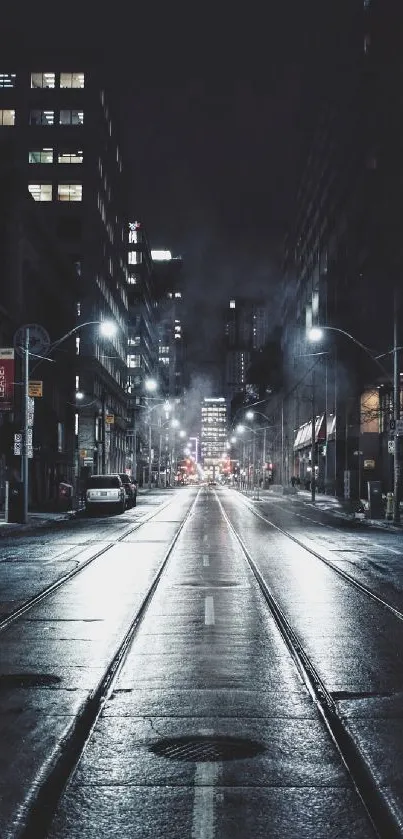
[[169, 287], [213, 431], [246, 330]]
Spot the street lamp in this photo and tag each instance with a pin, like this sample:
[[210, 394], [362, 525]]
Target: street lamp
[[107, 328], [316, 334]]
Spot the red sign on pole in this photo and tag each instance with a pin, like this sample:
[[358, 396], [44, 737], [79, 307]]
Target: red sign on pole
[[6, 379]]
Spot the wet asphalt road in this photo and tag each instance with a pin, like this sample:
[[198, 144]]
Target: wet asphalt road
[[207, 663]]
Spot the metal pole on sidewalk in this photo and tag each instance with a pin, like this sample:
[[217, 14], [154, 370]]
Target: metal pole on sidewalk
[[149, 455], [396, 401], [313, 443], [103, 453], [24, 457]]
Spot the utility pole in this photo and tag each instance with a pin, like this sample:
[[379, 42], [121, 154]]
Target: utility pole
[[149, 455], [103, 453], [396, 402], [313, 443], [24, 458]]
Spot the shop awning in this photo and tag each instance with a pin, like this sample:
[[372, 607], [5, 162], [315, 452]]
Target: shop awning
[[303, 436]]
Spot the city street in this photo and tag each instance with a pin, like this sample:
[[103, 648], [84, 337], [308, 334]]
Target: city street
[[204, 665]]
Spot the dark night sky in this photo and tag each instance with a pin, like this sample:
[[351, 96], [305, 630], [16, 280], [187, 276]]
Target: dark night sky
[[216, 109]]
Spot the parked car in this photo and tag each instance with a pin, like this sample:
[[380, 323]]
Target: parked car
[[130, 487], [105, 491]]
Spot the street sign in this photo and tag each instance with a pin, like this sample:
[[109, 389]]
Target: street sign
[[391, 446], [110, 419], [392, 425], [17, 444], [39, 341], [35, 388]]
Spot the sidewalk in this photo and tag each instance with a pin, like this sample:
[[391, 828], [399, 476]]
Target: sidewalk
[[46, 519], [338, 507]]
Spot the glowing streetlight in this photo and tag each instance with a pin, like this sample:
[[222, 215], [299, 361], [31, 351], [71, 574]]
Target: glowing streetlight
[[151, 385]]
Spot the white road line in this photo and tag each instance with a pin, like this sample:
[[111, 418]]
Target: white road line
[[209, 611], [203, 823], [205, 537], [206, 560]]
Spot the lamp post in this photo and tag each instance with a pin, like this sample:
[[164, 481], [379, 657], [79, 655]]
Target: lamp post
[[107, 328], [315, 334]]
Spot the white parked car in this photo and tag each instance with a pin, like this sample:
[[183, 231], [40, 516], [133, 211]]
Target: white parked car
[[105, 491]]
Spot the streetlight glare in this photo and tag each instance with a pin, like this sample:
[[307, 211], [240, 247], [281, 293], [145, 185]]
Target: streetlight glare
[[175, 423], [107, 328], [150, 385], [240, 429], [315, 333], [249, 415], [79, 394]]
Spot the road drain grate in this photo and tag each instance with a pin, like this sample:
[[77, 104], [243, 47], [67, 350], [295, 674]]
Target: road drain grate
[[27, 680], [202, 748]]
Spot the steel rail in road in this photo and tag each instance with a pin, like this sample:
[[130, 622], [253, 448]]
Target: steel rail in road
[[345, 576], [50, 589], [385, 824], [38, 812]]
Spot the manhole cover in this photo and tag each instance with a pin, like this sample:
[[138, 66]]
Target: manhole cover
[[27, 680], [206, 748]]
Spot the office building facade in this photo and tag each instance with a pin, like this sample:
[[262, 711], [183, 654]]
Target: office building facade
[[67, 150]]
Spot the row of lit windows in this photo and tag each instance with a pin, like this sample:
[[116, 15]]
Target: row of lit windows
[[65, 192], [47, 156], [41, 117], [65, 80]]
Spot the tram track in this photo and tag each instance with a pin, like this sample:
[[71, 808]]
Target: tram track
[[41, 596], [361, 587], [385, 822], [36, 814]]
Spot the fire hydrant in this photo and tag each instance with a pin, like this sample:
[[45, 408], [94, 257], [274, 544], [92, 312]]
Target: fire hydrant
[[389, 506]]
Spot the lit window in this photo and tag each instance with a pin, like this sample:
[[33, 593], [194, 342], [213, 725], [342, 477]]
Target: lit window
[[164, 360], [7, 117], [132, 279], [37, 117], [41, 156], [71, 79], [232, 304], [42, 79], [133, 235], [134, 258], [178, 294], [7, 79], [70, 157], [133, 361], [72, 117], [69, 192], [41, 192]]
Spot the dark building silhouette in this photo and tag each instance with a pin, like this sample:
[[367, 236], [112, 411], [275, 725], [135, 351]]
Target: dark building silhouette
[[67, 153], [343, 259]]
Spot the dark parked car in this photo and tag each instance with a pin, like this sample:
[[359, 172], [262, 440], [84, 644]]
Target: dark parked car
[[130, 487], [105, 491]]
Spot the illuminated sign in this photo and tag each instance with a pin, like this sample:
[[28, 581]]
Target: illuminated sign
[[159, 256], [6, 379]]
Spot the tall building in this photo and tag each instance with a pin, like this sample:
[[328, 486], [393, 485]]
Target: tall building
[[169, 290], [246, 330], [58, 111], [142, 350], [37, 286], [344, 259], [213, 433]]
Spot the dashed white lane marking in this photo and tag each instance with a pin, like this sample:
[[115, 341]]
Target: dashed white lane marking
[[209, 611], [206, 560], [205, 537], [203, 824]]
